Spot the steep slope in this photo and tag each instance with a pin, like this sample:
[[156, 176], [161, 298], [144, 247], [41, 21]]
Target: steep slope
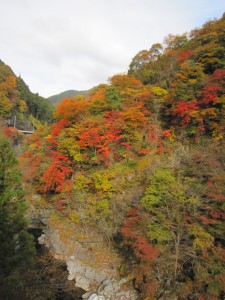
[[18, 104], [140, 162], [191, 68]]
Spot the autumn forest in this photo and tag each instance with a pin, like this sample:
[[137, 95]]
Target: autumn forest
[[141, 160]]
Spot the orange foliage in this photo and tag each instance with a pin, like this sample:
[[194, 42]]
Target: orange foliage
[[123, 81], [183, 110], [71, 109], [56, 129], [131, 230], [184, 55], [56, 176], [135, 117]]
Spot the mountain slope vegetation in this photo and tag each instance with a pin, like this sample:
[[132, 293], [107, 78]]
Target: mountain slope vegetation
[[18, 104], [67, 94], [141, 160]]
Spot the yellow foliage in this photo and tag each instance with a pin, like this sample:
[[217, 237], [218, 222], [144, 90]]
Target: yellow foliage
[[74, 217], [68, 145], [22, 106], [81, 182], [102, 182], [5, 106], [202, 238], [158, 91]]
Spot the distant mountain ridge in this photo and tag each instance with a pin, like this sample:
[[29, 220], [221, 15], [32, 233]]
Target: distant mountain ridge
[[55, 99]]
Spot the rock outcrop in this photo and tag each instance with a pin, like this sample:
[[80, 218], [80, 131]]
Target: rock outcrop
[[90, 262]]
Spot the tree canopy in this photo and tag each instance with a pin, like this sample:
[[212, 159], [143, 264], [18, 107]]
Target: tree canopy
[[141, 161], [17, 248]]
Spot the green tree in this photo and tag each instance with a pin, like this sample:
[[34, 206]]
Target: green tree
[[17, 248], [38, 106], [168, 204], [113, 97]]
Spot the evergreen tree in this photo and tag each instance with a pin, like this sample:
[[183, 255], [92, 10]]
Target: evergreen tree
[[17, 246]]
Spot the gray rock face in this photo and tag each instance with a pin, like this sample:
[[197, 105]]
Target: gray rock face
[[96, 297], [90, 263], [38, 217]]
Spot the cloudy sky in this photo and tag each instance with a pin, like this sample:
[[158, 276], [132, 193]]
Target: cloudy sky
[[58, 45]]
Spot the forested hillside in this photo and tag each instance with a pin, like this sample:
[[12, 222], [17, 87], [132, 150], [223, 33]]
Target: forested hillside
[[18, 104], [141, 161], [67, 94]]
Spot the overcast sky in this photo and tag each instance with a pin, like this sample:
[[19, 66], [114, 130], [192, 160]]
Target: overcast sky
[[57, 45]]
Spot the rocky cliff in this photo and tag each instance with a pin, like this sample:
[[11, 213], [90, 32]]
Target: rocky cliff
[[91, 264]]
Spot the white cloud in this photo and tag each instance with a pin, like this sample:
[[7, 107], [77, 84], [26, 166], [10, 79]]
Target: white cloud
[[75, 44]]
